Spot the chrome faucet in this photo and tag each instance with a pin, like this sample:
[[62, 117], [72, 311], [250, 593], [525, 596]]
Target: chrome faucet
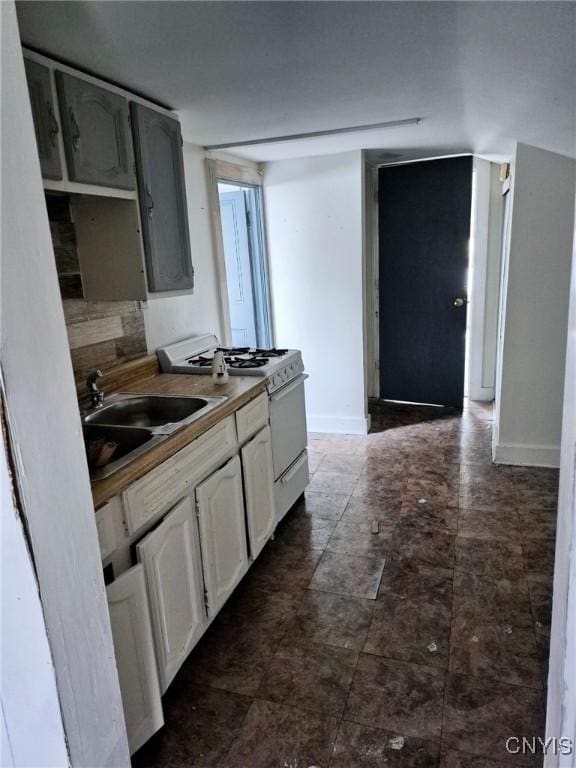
[[96, 396]]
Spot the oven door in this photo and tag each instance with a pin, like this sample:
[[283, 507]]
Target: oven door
[[288, 424]]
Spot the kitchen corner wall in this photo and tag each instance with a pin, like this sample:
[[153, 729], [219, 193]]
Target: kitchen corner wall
[[314, 216]]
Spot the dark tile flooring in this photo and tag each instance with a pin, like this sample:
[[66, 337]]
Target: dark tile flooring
[[400, 617]]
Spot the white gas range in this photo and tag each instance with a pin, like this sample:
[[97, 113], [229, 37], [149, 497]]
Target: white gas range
[[284, 371]]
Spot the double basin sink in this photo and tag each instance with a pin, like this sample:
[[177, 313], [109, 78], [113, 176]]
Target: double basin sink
[[127, 425]]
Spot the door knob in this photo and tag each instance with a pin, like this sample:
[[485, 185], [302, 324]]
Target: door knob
[[459, 302]]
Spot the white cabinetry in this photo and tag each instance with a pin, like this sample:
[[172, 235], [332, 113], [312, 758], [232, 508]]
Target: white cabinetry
[[171, 558], [258, 471], [135, 659], [222, 533]]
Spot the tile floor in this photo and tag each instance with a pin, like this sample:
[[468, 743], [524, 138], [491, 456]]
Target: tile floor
[[400, 617]]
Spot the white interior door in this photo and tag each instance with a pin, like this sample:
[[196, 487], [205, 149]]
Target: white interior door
[[222, 532], [238, 269], [135, 658], [171, 558], [259, 489]]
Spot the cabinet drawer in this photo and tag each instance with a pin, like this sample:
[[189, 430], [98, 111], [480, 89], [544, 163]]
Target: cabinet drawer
[[161, 488], [109, 526], [252, 417]]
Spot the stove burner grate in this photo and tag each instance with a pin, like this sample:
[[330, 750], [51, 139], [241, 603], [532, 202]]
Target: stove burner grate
[[273, 352], [252, 362], [231, 360], [233, 351]]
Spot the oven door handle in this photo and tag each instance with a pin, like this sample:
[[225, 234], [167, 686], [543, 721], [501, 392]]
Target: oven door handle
[[291, 471], [288, 387]]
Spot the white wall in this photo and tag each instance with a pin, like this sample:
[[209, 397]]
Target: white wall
[[171, 319], [50, 462], [314, 215], [28, 694], [532, 347], [561, 709], [485, 287]]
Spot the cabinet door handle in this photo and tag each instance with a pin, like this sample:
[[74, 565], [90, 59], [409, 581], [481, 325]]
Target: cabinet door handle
[[53, 130], [149, 200], [74, 130]]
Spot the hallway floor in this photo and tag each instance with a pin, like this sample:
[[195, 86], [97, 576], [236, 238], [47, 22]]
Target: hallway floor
[[400, 617]]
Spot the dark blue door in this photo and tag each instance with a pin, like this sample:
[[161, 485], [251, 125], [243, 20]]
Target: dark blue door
[[424, 232]]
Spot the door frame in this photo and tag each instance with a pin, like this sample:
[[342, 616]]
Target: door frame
[[483, 251], [242, 175]]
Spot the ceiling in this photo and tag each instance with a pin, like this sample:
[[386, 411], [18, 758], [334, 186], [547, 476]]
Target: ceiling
[[480, 74]]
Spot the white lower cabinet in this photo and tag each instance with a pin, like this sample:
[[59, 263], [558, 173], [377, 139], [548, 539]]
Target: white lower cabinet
[[258, 468], [135, 658], [220, 507], [171, 558]]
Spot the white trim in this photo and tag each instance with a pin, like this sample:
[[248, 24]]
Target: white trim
[[527, 455], [338, 425]]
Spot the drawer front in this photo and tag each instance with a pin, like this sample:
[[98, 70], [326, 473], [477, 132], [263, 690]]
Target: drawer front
[[252, 417], [109, 526], [161, 488]]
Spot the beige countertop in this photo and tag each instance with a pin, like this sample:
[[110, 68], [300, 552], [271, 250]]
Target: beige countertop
[[239, 390]]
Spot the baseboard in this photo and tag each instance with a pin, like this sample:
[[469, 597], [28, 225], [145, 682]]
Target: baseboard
[[527, 455], [338, 426]]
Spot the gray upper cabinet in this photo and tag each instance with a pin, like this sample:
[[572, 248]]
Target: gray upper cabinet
[[45, 123], [96, 133], [162, 195]]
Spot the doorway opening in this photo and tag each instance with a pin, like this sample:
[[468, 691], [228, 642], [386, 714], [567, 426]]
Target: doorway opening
[[244, 257]]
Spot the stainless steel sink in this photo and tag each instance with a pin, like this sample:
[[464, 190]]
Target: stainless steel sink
[[130, 442], [138, 422], [150, 411]]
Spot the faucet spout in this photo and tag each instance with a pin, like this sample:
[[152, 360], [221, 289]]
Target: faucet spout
[[96, 396]]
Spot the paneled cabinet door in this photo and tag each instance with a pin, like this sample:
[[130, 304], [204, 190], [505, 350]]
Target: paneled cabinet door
[[45, 123], [135, 659], [259, 489], [96, 133], [171, 558], [222, 532], [162, 194]]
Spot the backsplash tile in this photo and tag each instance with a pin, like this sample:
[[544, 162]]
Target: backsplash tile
[[101, 334]]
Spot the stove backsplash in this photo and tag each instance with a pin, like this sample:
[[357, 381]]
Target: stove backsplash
[[101, 334]]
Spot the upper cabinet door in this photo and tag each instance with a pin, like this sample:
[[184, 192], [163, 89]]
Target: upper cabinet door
[[222, 533], [171, 559], [162, 193], [45, 123], [259, 490], [96, 133]]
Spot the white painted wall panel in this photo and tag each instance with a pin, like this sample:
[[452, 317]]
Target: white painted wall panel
[[561, 708], [28, 694], [314, 217], [533, 338]]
